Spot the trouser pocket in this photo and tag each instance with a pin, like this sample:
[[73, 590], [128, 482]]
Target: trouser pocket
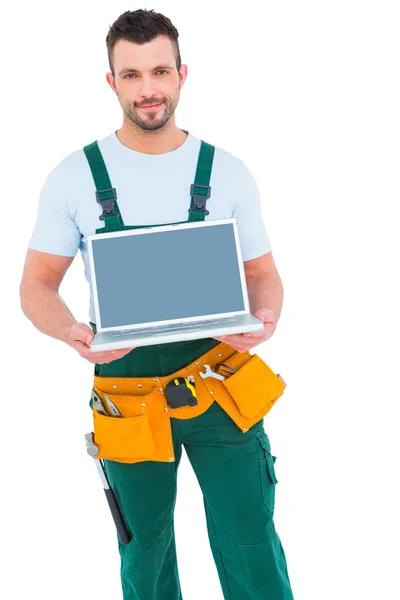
[[267, 470]]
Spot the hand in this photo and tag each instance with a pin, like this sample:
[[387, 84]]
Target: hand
[[246, 341], [79, 337]]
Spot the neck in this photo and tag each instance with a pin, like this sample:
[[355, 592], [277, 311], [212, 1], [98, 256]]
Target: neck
[[162, 140]]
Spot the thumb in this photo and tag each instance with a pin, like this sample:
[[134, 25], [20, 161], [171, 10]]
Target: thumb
[[266, 315], [83, 333]]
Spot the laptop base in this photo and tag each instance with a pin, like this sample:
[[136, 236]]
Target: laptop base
[[114, 340]]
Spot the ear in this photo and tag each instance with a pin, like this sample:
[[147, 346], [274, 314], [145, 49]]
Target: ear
[[111, 82], [183, 72]]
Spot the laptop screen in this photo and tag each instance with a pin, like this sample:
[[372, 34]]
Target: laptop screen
[[174, 274]]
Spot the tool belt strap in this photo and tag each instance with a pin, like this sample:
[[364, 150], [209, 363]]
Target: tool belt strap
[[144, 431]]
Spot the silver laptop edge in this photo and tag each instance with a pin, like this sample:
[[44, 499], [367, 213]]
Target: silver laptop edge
[[239, 321]]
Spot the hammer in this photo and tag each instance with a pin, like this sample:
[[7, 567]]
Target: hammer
[[120, 524]]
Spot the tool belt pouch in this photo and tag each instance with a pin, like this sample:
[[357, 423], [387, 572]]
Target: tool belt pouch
[[126, 437], [254, 387]]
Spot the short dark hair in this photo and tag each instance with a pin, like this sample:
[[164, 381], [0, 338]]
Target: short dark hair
[[141, 26]]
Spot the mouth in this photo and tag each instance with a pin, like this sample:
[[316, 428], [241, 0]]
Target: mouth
[[151, 107]]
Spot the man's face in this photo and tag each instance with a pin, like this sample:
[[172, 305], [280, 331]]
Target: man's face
[[146, 74]]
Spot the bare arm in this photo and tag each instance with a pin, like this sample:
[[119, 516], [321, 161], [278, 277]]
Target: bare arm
[[44, 307], [265, 291], [264, 284], [40, 300]]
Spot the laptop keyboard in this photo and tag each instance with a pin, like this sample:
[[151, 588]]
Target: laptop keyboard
[[175, 326]]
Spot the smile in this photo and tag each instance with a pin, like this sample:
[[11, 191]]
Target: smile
[[152, 107]]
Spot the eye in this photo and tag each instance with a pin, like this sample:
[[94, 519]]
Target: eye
[[133, 74]]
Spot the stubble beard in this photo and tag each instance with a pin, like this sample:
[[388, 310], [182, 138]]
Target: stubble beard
[[150, 122]]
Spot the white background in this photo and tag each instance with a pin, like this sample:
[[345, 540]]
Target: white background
[[307, 94]]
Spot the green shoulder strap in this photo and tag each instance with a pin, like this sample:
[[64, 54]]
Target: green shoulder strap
[[106, 195], [200, 190]]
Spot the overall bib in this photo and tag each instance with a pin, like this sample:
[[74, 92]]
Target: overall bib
[[224, 440]]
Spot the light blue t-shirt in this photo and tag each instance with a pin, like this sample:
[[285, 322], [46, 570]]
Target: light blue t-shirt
[[151, 189]]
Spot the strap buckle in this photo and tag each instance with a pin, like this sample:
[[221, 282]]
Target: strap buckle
[[200, 200], [107, 204]]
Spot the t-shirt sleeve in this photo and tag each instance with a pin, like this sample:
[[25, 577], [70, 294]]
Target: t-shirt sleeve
[[55, 230], [253, 237]]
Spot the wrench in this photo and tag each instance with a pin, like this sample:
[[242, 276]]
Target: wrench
[[210, 373]]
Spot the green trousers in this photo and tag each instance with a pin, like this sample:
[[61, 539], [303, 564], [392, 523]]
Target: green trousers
[[236, 474]]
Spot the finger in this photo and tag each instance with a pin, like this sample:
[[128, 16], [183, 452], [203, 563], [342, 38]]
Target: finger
[[254, 333], [244, 344], [81, 347], [125, 352], [220, 338], [235, 338], [106, 360], [82, 337], [99, 360], [108, 355], [240, 347]]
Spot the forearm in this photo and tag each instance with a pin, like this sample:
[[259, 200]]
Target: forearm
[[47, 311], [266, 292]]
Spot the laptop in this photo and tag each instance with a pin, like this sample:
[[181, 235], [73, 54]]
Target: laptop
[[168, 283]]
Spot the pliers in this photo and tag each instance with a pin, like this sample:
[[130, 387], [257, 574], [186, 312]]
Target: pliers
[[99, 406]]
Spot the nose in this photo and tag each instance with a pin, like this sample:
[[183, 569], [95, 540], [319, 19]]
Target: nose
[[148, 90]]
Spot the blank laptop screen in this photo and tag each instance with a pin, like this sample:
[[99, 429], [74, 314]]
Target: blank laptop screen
[[166, 275]]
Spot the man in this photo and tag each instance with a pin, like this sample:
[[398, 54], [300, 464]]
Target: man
[[152, 163]]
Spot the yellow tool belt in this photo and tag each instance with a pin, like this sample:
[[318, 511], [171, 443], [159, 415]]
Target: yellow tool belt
[[144, 431]]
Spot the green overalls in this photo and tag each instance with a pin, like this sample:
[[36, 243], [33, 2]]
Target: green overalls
[[235, 470]]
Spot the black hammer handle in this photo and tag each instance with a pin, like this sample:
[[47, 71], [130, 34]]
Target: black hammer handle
[[120, 524]]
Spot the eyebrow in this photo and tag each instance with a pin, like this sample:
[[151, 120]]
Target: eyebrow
[[129, 70]]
